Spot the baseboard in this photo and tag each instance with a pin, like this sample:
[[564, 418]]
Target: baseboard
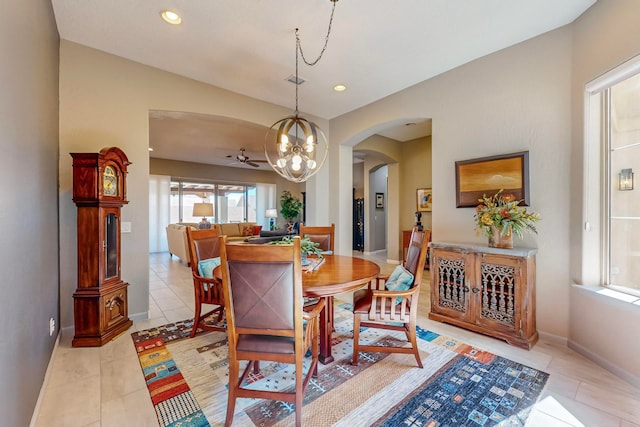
[[45, 382], [616, 370], [393, 261], [139, 316], [556, 339]]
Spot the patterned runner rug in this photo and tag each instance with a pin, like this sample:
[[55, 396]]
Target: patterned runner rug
[[459, 385]]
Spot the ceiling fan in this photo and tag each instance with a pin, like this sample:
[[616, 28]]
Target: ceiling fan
[[241, 158]]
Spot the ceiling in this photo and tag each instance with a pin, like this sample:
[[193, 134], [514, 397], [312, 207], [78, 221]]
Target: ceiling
[[375, 48]]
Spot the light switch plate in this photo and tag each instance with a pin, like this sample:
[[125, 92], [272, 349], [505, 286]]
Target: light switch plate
[[125, 227]]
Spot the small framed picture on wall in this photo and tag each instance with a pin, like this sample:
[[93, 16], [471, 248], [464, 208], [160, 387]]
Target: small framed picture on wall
[[424, 199], [379, 200]]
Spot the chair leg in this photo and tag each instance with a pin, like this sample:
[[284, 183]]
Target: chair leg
[[356, 337], [414, 344], [234, 371], [196, 320], [299, 394], [315, 349]]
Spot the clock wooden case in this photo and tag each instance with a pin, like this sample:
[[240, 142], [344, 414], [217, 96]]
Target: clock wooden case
[[100, 300]]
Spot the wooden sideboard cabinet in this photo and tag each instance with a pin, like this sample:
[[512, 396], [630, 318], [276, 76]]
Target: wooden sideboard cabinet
[[486, 290]]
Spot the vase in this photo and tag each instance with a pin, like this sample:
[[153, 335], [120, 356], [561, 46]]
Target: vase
[[499, 240]]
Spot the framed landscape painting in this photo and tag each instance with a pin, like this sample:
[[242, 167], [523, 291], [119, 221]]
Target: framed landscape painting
[[424, 199], [488, 175]]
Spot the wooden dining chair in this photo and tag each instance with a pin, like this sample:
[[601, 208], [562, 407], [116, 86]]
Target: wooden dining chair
[[262, 286], [204, 252], [323, 235], [391, 301]]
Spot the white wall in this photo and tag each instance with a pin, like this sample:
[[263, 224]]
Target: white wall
[[514, 100], [105, 101], [602, 328]]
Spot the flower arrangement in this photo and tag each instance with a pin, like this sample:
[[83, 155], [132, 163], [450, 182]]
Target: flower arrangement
[[307, 247], [502, 212]]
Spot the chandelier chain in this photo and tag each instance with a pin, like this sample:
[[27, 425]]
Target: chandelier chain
[[326, 39], [312, 63]]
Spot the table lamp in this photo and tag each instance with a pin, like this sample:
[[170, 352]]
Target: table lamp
[[272, 214], [204, 210]]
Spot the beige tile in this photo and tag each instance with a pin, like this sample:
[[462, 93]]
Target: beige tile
[[540, 419], [563, 385], [74, 364], [120, 348], [168, 303], [579, 367], [121, 377], [573, 412], [178, 314], [620, 404], [133, 409], [71, 404], [140, 325]]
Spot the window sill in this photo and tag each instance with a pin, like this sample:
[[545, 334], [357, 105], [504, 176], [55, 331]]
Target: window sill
[[612, 295]]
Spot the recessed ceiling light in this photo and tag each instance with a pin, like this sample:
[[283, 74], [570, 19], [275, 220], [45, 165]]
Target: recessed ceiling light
[[339, 88], [150, 149], [171, 17]]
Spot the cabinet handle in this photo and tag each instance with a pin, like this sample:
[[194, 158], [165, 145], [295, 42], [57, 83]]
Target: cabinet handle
[[476, 290], [465, 288]]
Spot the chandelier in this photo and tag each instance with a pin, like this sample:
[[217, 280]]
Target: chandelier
[[296, 148]]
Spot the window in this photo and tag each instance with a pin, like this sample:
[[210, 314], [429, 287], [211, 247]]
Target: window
[[231, 202], [611, 237], [622, 120]]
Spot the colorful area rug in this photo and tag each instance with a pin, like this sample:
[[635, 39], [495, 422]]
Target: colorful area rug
[[459, 385]]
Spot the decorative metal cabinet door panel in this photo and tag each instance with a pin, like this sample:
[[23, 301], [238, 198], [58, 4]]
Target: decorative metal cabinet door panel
[[450, 291], [487, 290]]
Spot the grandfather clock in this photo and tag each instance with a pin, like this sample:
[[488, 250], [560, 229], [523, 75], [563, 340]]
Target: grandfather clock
[[99, 192]]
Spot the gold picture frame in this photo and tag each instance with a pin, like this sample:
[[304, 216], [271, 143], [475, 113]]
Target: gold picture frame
[[424, 199], [488, 175]]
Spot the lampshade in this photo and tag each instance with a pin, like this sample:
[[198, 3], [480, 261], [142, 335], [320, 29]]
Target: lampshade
[[271, 213], [203, 209]]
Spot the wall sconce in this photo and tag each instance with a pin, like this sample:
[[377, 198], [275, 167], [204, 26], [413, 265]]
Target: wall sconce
[[272, 214], [625, 180]]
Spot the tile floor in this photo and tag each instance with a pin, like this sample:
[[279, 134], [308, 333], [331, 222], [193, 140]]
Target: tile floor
[[82, 392]]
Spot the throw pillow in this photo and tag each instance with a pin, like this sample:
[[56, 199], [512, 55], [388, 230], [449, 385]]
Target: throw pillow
[[206, 267], [247, 230], [399, 280], [256, 230]]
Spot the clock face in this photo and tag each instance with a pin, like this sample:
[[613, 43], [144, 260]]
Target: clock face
[[110, 181]]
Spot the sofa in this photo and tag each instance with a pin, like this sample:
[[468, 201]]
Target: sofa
[[235, 232], [240, 231], [177, 240]]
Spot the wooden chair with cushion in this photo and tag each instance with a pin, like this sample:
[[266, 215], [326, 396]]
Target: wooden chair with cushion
[[204, 252], [392, 301], [262, 287], [323, 235]]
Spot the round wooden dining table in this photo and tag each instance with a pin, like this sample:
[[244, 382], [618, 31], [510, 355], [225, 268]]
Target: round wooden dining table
[[335, 275]]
